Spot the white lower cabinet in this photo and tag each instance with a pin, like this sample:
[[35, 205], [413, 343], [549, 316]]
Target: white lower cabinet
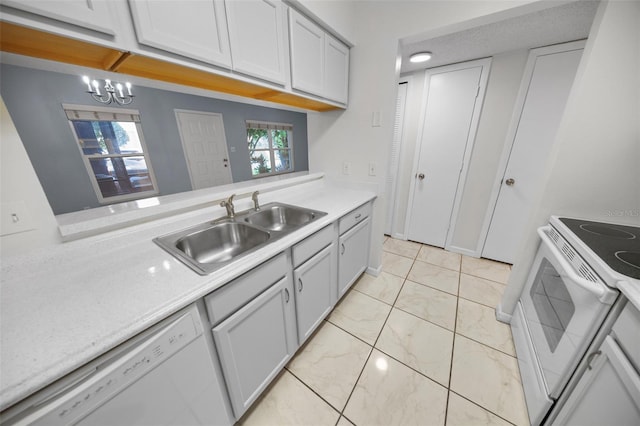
[[255, 343], [353, 247], [608, 392], [314, 283]]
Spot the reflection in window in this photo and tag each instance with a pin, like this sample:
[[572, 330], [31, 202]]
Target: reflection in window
[[113, 150], [270, 148]]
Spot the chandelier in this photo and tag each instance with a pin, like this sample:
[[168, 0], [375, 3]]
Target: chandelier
[[111, 94]]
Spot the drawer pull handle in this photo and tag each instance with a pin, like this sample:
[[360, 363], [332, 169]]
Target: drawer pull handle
[[343, 249], [358, 216], [286, 295], [300, 282]]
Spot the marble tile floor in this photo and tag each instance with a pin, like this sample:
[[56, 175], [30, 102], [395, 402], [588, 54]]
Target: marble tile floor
[[417, 345]]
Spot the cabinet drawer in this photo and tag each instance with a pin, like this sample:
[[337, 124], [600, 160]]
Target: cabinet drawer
[[312, 245], [232, 296], [626, 331], [350, 219]]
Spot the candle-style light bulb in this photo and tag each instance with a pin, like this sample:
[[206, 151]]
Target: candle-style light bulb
[[87, 82], [128, 88], [119, 87], [96, 86]]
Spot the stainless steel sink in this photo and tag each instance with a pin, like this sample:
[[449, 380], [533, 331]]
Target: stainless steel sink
[[281, 217], [221, 242], [212, 245]]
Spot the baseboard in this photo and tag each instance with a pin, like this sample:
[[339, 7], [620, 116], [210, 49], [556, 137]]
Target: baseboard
[[398, 236], [374, 271], [502, 316], [466, 252]]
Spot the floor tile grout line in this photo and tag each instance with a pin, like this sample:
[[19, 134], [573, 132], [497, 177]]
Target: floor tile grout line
[[485, 345], [315, 393], [453, 347], [373, 347], [434, 288], [484, 408], [475, 301]]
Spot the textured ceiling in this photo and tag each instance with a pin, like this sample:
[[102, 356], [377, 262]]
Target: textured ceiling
[[554, 25]]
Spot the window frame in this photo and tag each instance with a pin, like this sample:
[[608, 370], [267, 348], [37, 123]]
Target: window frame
[[118, 114], [269, 125]]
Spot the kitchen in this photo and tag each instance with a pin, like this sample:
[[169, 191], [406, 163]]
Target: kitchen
[[329, 132]]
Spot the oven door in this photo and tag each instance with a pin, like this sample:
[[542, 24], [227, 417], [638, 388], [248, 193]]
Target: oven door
[[562, 308]]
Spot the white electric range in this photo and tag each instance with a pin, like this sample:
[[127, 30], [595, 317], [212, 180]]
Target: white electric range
[[572, 287]]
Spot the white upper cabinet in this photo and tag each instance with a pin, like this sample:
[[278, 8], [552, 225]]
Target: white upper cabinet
[[91, 14], [319, 62], [256, 33], [193, 28], [307, 54], [336, 70]]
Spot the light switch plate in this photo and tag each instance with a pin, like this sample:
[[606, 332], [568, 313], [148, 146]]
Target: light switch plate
[[15, 217]]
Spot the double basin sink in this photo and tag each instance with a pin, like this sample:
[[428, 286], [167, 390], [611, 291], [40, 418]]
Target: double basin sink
[[212, 245]]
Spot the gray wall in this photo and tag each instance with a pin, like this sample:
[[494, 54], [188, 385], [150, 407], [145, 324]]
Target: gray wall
[[34, 100]]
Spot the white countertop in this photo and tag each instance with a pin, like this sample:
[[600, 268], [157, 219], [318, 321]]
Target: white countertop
[[63, 307]]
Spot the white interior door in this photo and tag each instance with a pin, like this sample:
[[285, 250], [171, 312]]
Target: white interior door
[[453, 102], [205, 148], [543, 95]]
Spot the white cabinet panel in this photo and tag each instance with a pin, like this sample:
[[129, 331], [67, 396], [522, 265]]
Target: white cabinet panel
[[196, 29], [315, 283], [256, 33], [607, 394], [336, 70], [354, 255], [94, 15], [256, 342], [307, 54]]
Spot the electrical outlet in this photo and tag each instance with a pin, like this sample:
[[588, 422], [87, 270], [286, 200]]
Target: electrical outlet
[[15, 218], [373, 168], [346, 168]]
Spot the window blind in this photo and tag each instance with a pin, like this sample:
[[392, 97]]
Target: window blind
[[268, 126]]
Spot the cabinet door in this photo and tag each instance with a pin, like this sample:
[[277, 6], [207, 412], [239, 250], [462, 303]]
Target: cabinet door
[[607, 393], [315, 282], [307, 54], [256, 33], [196, 29], [94, 15], [354, 255], [336, 70], [256, 342]]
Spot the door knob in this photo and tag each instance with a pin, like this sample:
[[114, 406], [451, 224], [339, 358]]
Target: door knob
[[510, 181], [421, 176]]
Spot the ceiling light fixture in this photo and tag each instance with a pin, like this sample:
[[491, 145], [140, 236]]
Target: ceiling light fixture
[[420, 57]]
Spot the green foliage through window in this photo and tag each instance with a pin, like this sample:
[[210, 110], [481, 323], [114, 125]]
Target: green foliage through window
[[270, 148]]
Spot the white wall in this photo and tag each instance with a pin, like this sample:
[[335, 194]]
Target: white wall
[[595, 168], [19, 183], [348, 135]]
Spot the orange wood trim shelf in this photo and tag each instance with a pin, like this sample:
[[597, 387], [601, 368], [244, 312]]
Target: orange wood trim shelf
[[30, 42]]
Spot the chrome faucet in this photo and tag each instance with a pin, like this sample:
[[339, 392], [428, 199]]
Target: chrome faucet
[[229, 205], [254, 197]]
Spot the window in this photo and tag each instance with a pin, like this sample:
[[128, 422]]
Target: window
[[113, 151], [270, 148]]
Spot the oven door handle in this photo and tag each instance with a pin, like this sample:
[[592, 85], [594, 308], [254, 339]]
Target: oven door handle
[[598, 289]]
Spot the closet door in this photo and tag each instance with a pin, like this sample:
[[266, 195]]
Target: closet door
[[452, 110], [543, 95]]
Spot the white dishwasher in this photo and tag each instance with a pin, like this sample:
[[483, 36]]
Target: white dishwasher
[[166, 376]]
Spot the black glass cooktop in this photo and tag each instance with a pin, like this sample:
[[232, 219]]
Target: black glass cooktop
[[617, 245]]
